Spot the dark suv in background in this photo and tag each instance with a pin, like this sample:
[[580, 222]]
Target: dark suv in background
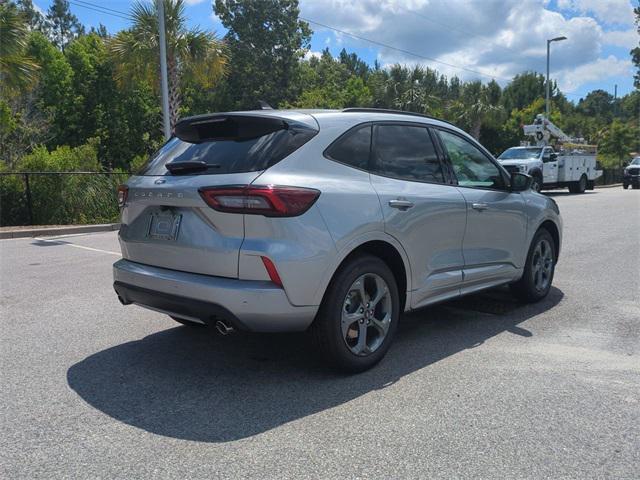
[[632, 174]]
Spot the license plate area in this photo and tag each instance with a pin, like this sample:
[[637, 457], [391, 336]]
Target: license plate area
[[164, 226]]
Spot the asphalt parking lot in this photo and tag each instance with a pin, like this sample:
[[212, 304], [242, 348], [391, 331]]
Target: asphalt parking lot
[[480, 387]]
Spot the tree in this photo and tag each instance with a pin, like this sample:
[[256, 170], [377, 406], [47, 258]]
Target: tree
[[479, 104], [630, 106], [53, 90], [63, 26], [266, 41], [34, 18], [523, 90], [617, 142], [455, 88], [354, 64], [511, 132], [329, 83], [191, 53], [597, 103], [17, 69], [101, 31]]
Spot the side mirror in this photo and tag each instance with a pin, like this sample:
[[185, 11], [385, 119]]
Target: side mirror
[[554, 156], [520, 182]]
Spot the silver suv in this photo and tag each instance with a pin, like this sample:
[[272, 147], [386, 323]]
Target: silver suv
[[333, 221]]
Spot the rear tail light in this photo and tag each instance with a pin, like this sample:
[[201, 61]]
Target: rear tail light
[[123, 190], [271, 270], [267, 200]]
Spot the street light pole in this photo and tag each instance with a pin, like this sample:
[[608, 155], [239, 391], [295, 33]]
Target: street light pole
[[547, 106], [164, 82]]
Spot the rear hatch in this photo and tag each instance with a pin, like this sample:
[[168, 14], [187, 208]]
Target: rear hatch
[[165, 221]]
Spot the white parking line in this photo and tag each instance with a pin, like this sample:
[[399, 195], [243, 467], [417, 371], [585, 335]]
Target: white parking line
[[68, 235], [58, 242]]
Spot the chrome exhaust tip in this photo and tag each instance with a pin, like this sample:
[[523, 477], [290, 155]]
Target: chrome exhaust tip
[[223, 328]]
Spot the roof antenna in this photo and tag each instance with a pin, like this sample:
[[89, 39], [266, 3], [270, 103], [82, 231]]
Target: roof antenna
[[264, 105]]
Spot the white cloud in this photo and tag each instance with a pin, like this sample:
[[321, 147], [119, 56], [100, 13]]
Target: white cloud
[[607, 11], [600, 69], [499, 38], [216, 24], [310, 54], [622, 38]]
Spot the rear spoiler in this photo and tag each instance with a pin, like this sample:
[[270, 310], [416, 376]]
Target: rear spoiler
[[205, 128]]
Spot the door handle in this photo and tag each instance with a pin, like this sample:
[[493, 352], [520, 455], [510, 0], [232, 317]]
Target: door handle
[[400, 204], [479, 206]]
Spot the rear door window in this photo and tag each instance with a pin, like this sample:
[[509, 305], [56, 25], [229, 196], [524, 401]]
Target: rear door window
[[232, 155], [406, 152], [352, 148]]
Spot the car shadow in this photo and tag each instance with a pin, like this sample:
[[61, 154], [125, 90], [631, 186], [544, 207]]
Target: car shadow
[[188, 384]]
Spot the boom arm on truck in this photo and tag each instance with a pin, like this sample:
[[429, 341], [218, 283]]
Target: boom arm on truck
[[543, 131]]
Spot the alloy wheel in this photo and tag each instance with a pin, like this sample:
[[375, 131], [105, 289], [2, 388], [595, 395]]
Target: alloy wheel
[[366, 314], [542, 263]]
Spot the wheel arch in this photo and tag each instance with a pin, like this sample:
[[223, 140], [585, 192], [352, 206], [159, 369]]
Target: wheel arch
[[389, 252], [554, 231], [536, 171]]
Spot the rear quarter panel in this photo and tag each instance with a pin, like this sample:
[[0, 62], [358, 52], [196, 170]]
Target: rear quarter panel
[[346, 214]]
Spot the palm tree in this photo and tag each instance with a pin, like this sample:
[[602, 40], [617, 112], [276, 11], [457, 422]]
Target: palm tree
[[415, 98], [17, 70], [191, 53], [475, 107]]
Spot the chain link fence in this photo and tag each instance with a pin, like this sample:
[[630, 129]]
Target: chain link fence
[[610, 176], [59, 198]]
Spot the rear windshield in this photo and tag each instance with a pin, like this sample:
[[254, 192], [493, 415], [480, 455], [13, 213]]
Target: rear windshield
[[231, 156]]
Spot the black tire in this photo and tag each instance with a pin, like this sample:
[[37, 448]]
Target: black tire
[[525, 289], [326, 330], [625, 186], [188, 323], [537, 182], [580, 186]]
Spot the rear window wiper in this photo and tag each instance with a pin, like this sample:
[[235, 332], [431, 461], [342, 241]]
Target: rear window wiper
[[189, 166]]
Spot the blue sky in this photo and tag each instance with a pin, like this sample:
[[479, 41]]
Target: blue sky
[[481, 39]]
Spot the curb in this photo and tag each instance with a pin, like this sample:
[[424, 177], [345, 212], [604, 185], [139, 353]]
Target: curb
[[64, 230], [612, 185]]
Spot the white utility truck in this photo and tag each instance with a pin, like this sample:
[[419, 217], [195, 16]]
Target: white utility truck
[[570, 164]]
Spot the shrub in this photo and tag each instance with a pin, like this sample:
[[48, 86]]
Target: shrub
[[61, 198]]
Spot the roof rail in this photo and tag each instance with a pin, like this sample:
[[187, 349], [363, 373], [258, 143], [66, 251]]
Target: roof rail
[[397, 112]]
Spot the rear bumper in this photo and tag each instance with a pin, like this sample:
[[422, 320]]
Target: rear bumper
[[257, 306]]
